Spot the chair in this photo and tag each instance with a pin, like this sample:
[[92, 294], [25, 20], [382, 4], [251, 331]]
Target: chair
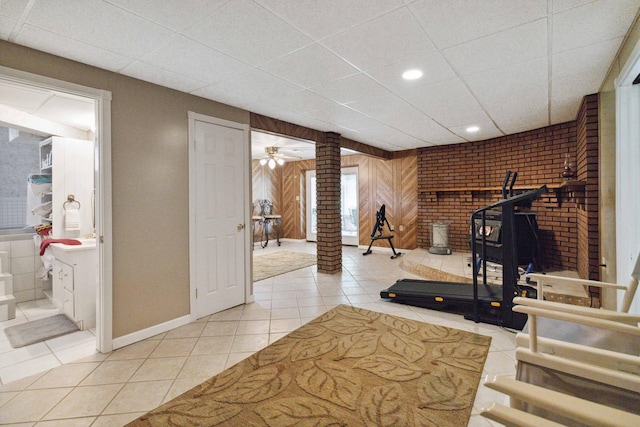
[[576, 365]]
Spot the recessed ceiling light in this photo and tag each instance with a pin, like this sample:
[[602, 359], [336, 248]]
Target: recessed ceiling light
[[412, 74], [472, 129]]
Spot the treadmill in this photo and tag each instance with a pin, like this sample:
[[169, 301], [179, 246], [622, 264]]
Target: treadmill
[[480, 302]]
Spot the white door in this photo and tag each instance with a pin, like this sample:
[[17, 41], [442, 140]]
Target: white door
[[220, 153], [348, 206]]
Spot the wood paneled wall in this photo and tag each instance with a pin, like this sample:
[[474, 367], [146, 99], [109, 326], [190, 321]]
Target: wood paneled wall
[[390, 182]]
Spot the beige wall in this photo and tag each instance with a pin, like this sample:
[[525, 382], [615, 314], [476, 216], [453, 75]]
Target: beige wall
[[150, 180], [607, 168]]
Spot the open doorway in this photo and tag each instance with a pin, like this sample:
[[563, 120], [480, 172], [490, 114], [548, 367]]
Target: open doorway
[[348, 206], [25, 107]]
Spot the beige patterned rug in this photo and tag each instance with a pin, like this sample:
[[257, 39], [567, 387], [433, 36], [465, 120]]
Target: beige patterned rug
[[273, 264], [349, 367]]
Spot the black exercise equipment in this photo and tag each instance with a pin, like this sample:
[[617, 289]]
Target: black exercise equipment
[[478, 302], [376, 234]]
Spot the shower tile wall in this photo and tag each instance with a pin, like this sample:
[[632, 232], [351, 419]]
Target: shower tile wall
[[24, 263]]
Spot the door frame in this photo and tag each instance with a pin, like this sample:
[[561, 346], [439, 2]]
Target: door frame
[[248, 293], [627, 176], [352, 241], [308, 174], [102, 179]]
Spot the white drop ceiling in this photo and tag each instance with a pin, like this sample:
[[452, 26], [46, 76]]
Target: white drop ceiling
[[335, 65]]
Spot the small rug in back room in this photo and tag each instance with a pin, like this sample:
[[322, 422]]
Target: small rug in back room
[[349, 367], [275, 263], [39, 330]]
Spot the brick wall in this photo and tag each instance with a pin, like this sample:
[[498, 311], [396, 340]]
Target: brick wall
[[587, 165], [454, 180], [329, 244]]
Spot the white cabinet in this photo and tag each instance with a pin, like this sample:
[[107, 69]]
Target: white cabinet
[[70, 163], [75, 281]]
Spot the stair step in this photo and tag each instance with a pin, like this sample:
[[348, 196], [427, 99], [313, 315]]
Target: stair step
[[7, 307], [6, 284], [4, 262]]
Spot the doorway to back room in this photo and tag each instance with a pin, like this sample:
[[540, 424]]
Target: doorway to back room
[[348, 206]]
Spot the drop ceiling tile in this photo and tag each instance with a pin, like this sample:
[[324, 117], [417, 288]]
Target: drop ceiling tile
[[349, 89], [246, 31], [380, 107], [13, 8], [449, 103], [382, 41], [69, 110], [452, 22], [127, 34], [305, 102], [584, 26], [595, 59], [319, 19], [487, 131], [567, 93], [560, 5], [154, 74], [220, 94], [23, 98], [205, 64], [516, 96], [258, 85], [497, 50], [310, 66], [335, 113], [66, 47], [416, 124], [176, 15], [6, 26], [430, 62]]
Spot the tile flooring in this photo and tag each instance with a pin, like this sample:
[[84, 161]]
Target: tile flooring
[[25, 361], [113, 389]]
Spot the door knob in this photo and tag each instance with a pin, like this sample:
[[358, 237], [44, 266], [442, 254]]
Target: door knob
[[240, 227]]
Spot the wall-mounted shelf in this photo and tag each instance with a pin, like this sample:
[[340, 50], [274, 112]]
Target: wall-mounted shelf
[[569, 188], [572, 185]]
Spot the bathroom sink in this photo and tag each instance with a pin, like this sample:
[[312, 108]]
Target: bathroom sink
[[85, 244]]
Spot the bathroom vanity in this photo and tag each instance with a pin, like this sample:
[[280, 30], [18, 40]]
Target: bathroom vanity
[[74, 281]]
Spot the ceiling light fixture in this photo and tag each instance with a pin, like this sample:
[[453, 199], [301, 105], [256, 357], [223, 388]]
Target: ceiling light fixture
[[473, 129], [412, 74], [274, 157]]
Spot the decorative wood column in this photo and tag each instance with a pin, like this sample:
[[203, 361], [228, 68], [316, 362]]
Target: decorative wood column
[[329, 245]]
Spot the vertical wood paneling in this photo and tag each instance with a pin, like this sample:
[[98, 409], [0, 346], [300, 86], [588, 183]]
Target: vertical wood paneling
[[407, 190], [392, 182]]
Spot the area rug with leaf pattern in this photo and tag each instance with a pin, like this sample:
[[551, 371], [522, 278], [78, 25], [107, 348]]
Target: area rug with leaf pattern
[[275, 263], [348, 367]]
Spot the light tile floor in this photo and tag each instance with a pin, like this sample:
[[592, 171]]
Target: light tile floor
[[113, 389], [25, 361]]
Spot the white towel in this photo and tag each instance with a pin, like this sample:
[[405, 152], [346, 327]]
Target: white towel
[[72, 219]]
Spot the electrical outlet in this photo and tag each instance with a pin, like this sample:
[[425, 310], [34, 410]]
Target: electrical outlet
[[401, 228]]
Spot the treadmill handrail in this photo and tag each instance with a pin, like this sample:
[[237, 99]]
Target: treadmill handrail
[[528, 195]]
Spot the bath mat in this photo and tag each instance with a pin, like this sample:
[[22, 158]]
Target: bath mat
[[39, 330], [273, 264]]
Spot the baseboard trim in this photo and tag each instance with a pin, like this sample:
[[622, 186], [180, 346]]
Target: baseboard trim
[[143, 334]]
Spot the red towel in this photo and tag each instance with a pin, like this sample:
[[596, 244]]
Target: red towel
[[47, 242]]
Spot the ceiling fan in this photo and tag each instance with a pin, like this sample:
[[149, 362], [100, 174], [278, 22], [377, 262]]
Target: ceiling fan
[[273, 157]]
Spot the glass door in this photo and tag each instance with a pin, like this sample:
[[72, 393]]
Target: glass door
[[348, 206]]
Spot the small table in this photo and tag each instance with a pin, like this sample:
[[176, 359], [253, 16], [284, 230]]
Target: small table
[[271, 219]]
